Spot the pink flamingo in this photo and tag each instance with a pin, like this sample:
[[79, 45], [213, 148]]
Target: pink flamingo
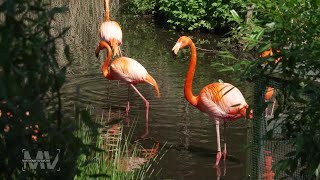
[[269, 96], [270, 91], [127, 70], [110, 31], [221, 101]]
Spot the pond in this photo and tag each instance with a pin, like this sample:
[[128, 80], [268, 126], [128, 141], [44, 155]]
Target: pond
[[172, 120]]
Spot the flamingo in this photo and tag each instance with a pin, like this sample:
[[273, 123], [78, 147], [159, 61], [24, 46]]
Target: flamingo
[[221, 101], [269, 52], [110, 31], [129, 71], [270, 91]]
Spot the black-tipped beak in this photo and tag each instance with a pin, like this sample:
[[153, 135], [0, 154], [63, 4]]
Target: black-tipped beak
[[97, 52], [175, 49], [174, 55]]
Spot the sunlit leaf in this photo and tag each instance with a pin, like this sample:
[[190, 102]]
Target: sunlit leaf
[[235, 16]]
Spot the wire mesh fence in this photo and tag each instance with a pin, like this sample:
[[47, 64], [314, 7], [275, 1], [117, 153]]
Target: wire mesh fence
[[267, 151]]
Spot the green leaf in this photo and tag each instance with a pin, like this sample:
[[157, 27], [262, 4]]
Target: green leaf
[[270, 25], [226, 69], [226, 54], [263, 48], [235, 16]]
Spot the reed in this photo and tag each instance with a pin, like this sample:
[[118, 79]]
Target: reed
[[112, 155]]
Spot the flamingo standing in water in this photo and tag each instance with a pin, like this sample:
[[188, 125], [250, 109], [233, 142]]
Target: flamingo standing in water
[[127, 70], [110, 31], [221, 101]]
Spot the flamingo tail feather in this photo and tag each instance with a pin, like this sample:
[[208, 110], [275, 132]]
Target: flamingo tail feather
[[153, 82]]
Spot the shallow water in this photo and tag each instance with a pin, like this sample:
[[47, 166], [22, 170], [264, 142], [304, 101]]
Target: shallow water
[[172, 120]]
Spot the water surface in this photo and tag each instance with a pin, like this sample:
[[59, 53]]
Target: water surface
[[172, 120]]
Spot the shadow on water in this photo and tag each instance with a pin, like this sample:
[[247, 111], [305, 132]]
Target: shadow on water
[[171, 119]]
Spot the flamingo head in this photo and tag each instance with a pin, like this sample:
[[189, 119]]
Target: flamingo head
[[182, 42], [244, 112], [102, 45]]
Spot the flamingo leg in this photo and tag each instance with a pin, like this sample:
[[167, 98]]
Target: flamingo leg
[[147, 109], [128, 107], [224, 153], [128, 103], [218, 157], [266, 111], [273, 104]]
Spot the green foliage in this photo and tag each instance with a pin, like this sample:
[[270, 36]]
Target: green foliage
[[292, 27], [301, 128], [142, 6], [30, 101], [188, 14], [97, 164]]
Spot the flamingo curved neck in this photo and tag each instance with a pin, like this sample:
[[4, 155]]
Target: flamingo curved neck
[[106, 62], [188, 83]]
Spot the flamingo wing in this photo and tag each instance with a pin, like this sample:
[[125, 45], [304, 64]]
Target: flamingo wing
[[128, 70], [222, 101]]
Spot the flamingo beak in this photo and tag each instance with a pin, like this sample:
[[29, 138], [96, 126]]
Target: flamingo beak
[[175, 49], [97, 52]]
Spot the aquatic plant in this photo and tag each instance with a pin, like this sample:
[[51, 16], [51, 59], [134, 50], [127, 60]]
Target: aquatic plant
[[114, 156]]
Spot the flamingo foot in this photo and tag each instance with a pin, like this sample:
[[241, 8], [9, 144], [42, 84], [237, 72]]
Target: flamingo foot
[[224, 153], [218, 158]]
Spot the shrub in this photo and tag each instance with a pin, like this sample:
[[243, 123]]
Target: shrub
[[292, 27], [30, 101], [188, 14], [142, 6]]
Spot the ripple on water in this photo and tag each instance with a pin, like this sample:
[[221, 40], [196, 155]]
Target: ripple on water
[[190, 132]]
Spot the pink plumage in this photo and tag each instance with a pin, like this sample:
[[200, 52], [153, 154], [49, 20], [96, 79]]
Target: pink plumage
[[221, 101], [127, 70], [110, 31]]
